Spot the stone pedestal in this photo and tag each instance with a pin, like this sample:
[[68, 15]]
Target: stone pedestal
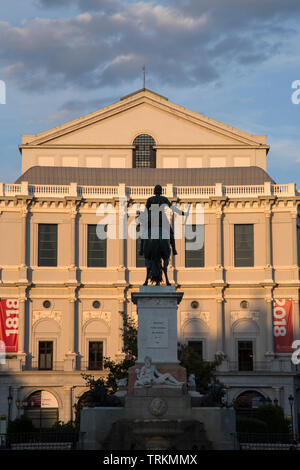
[[157, 323], [158, 402], [157, 331]]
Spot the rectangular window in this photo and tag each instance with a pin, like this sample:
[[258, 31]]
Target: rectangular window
[[243, 245], [47, 245], [95, 355], [45, 355], [96, 250], [194, 247], [245, 355], [197, 346]]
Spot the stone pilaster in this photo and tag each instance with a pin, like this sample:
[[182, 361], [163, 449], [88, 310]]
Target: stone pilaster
[[296, 320], [21, 335], [269, 340], [23, 245], [219, 269], [72, 252], [70, 357], [294, 239], [268, 243], [122, 237]]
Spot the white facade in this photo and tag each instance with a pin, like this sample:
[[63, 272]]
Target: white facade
[[184, 140]]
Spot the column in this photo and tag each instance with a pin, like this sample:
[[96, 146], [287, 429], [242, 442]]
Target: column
[[67, 403], [268, 245], [14, 412], [296, 321], [268, 238], [24, 213], [219, 248], [120, 340], [294, 239], [21, 332], [70, 358], [79, 326], [269, 341], [72, 261], [71, 325], [277, 394], [72, 252], [220, 326], [22, 259], [122, 236], [30, 334], [219, 237]]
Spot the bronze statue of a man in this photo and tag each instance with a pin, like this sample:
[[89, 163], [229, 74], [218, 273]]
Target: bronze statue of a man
[[160, 201]]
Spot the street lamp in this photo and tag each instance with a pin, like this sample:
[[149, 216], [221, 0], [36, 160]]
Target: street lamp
[[18, 406], [9, 401], [291, 402]]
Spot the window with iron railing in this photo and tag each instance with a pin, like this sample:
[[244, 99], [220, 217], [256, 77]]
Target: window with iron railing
[[45, 355], [95, 355], [243, 245], [194, 247], [96, 249], [47, 245], [245, 355]]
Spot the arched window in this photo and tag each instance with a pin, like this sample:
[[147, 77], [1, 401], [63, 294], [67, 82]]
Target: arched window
[[144, 155], [250, 399], [42, 408]]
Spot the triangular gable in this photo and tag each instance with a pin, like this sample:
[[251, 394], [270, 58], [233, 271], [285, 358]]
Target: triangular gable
[[148, 110]]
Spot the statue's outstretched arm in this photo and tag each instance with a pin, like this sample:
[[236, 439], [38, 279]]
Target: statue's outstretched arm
[[175, 209]]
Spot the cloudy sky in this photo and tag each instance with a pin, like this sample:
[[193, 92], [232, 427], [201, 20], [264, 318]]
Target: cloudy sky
[[231, 60]]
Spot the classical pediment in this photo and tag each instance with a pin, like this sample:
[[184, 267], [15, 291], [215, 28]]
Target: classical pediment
[[143, 112]]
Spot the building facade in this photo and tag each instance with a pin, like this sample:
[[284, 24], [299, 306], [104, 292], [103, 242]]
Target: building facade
[[70, 288]]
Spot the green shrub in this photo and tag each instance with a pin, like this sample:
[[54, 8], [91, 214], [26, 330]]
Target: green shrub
[[60, 426], [274, 418], [23, 424], [251, 425]]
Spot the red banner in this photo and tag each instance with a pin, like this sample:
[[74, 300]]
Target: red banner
[[9, 324], [283, 326]]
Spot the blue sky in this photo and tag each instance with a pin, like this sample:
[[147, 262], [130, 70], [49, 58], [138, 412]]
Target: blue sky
[[231, 60]]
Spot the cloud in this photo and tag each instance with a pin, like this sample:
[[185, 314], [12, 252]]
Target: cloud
[[284, 150], [84, 5], [183, 43], [75, 107]]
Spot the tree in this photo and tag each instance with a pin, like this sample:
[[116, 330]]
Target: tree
[[204, 370], [116, 370]]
